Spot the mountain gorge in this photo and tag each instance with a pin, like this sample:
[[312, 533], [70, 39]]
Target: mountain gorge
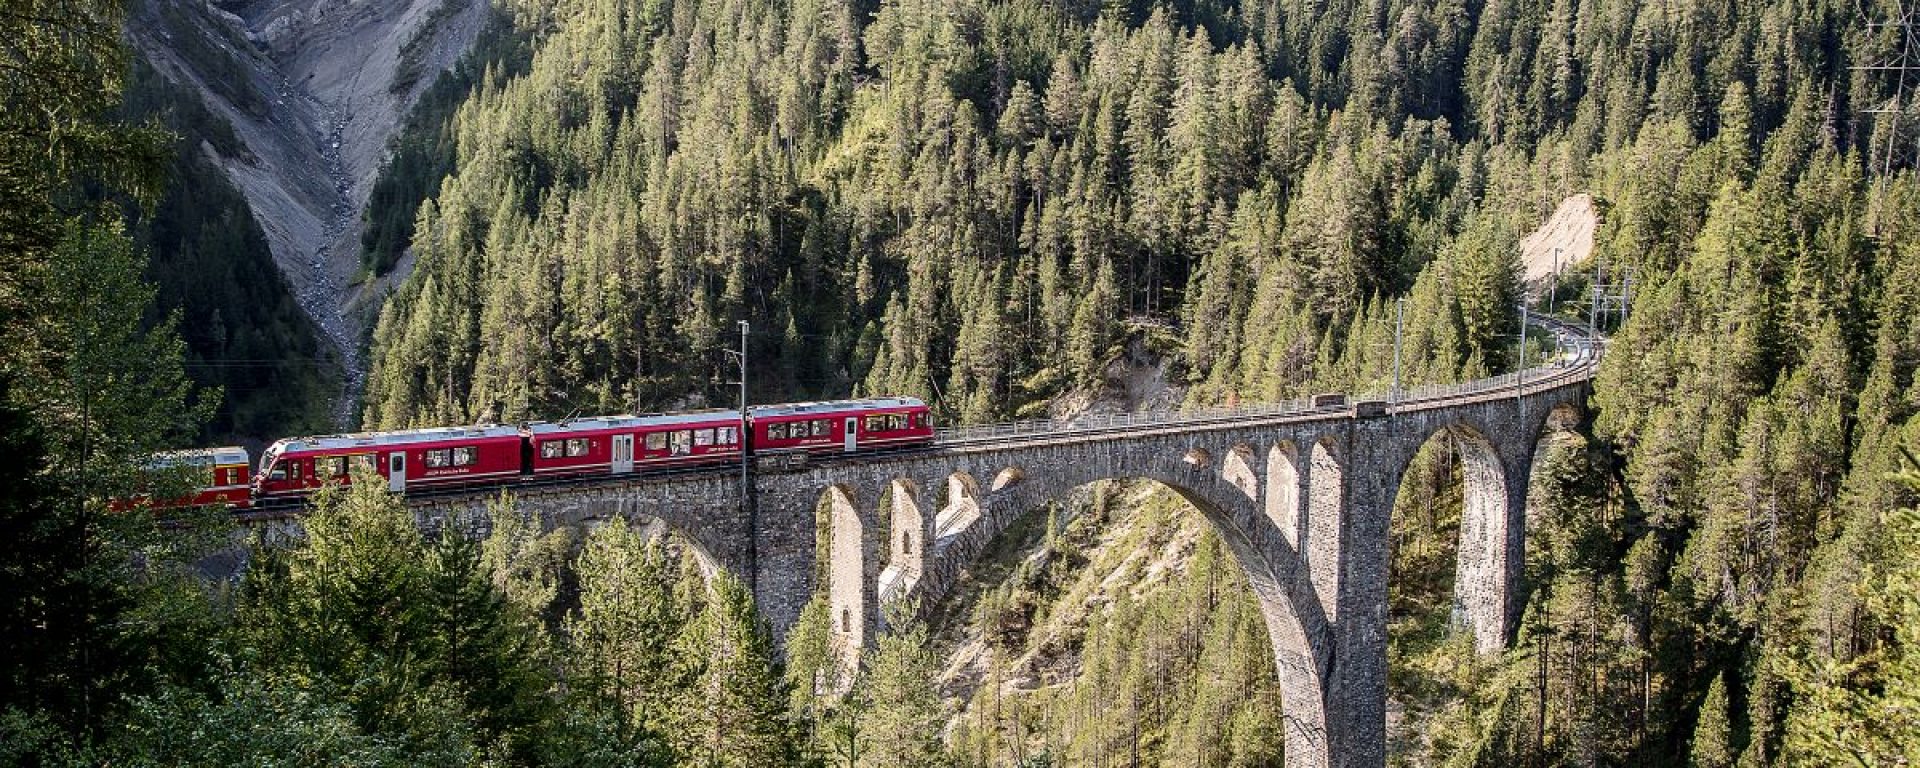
[[310, 96], [1010, 208]]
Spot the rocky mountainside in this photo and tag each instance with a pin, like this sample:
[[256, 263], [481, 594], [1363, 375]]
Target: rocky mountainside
[[314, 91]]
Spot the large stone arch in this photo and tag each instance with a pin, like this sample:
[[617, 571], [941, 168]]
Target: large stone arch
[[959, 504], [698, 528], [1239, 467], [1481, 580], [906, 541], [1297, 622]]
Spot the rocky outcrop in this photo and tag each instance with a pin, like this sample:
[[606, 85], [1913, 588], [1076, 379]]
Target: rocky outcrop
[[314, 91]]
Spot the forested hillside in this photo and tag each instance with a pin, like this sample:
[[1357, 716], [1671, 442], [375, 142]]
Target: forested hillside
[[981, 202], [972, 200], [977, 202]]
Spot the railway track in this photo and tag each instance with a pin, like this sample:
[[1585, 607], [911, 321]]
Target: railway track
[[1577, 361]]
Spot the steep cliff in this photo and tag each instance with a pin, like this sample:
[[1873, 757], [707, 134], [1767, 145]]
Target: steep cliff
[[314, 92]]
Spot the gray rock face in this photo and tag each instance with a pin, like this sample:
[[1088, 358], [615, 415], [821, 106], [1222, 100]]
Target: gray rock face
[[309, 89]]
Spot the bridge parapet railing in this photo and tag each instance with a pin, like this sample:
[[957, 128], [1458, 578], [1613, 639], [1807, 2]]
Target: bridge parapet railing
[[1106, 421], [1578, 356]]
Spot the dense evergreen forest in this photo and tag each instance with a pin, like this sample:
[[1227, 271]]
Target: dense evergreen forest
[[982, 203], [979, 202]]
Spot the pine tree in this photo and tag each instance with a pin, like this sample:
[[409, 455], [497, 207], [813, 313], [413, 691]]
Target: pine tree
[[629, 621], [1713, 745], [737, 716], [903, 720]]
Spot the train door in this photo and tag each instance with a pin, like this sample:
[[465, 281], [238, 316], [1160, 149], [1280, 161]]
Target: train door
[[852, 422], [397, 471], [622, 454]]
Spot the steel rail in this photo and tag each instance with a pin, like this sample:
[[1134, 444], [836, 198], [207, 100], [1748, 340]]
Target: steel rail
[[1578, 361]]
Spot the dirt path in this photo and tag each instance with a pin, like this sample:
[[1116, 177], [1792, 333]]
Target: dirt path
[[308, 90]]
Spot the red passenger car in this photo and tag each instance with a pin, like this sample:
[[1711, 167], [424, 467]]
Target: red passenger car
[[620, 444], [417, 458], [219, 476], [842, 426]]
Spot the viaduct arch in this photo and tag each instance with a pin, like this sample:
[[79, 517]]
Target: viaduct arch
[[1301, 496]]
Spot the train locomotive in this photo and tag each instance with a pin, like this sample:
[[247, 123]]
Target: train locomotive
[[495, 454]]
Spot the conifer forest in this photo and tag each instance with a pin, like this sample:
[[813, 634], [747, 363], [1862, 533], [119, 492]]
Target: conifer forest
[[1010, 209]]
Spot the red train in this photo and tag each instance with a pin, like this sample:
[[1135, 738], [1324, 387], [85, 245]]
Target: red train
[[476, 456], [221, 474]]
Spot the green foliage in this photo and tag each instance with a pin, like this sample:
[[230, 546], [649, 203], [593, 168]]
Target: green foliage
[[1099, 652], [108, 390], [813, 672], [258, 719], [980, 221], [67, 661], [903, 718], [423, 151], [736, 718], [623, 635], [981, 203], [1863, 711], [64, 74], [405, 631]]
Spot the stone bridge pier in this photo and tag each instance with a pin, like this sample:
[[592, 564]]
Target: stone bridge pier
[[1302, 500]]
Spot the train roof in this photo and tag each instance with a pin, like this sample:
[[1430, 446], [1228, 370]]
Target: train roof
[[831, 406], [204, 457], [626, 421], [401, 437]]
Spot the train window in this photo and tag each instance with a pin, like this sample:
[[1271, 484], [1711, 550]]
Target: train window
[[729, 435], [277, 473], [656, 441], [776, 431], [438, 459], [464, 455], [364, 462], [876, 424], [576, 447], [702, 437], [821, 427], [553, 449], [330, 466], [682, 442]]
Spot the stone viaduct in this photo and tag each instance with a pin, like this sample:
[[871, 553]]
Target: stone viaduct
[[1301, 496]]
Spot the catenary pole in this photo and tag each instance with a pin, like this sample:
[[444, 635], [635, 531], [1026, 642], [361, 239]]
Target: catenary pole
[[746, 482], [1399, 321], [1520, 360]]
